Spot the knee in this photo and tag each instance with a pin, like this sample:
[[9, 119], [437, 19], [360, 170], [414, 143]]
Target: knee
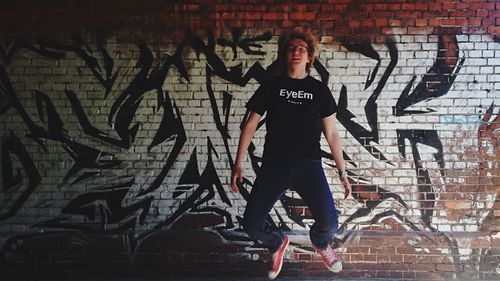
[[332, 226], [250, 228], [333, 223], [329, 225]]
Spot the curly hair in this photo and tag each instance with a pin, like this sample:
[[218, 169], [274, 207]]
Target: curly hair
[[306, 36]]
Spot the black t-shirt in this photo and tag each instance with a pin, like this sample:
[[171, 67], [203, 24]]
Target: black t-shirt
[[294, 110]]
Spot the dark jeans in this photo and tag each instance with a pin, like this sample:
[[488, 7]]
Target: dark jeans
[[308, 179]]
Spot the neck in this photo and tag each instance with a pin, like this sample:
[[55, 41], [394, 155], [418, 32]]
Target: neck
[[296, 73]]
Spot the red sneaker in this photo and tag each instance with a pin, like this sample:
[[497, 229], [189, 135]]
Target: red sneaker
[[331, 259], [278, 260]]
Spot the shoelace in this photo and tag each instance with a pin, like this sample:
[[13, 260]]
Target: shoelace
[[275, 260], [331, 255]]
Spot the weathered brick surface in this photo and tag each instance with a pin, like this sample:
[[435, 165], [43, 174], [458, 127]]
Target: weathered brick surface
[[119, 129]]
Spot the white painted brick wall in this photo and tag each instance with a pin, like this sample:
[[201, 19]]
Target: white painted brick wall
[[455, 112]]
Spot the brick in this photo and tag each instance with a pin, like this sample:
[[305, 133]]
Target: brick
[[405, 250], [314, 266], [420, 30], [408, 7], [275, 16], [304, 257], [369, 257], [394, 7], [250, 16], [445, 267], [303, 16], [394, 266], [385, 252]]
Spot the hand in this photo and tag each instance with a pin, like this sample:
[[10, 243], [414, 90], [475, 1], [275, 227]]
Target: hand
[[236, 176], [346, 184]]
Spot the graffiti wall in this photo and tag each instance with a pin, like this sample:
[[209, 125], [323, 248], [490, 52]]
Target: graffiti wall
[[121, 149]]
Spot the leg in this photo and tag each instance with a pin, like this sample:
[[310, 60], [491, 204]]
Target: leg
[[308, 179], [271, 183]]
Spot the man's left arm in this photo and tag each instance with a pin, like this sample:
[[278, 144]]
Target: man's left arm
[[332, 137]]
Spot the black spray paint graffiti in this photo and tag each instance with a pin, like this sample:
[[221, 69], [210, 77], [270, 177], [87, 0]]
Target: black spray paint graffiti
[[194, 190], [201, 194], [13, 187], [438, 80], [123, 109], [104, 204], [245, 44], [84, 156]]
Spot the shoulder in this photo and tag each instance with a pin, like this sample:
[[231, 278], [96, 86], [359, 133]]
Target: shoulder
[[272, 82], [313, 82]]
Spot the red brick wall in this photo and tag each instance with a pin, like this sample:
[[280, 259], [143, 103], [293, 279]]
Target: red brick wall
[[169, 19], [119, 123]]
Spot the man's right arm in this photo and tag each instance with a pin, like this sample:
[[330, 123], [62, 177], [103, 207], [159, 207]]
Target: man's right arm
[[245, 138]]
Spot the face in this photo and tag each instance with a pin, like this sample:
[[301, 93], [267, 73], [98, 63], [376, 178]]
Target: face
[[297, 54]]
